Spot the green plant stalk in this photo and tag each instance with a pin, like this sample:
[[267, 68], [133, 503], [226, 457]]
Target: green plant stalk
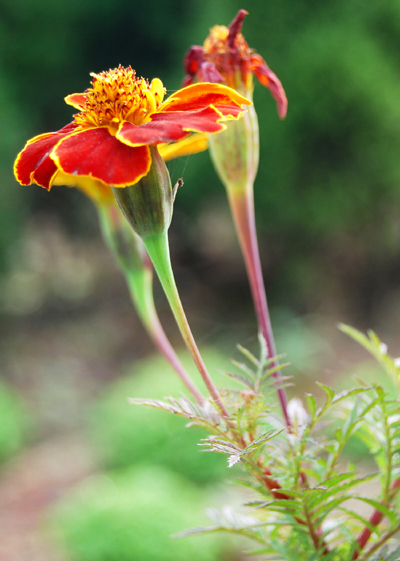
[[129, 253], [140, 287], [158, 249]]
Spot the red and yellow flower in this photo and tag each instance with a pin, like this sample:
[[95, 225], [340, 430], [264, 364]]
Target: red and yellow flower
[[226, 58], [119, 118]]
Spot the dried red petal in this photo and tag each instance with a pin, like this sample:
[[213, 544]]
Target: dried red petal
[[96, 153], [235, 27], [192, 59], [209, 73], [33, 164], [268, 79]]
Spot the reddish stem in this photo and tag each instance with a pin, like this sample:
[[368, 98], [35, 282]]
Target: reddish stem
[[375, 519], [273, 485], [161, 341], [242, 207]]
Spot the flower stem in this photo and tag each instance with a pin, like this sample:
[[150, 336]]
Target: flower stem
[[241, 201], [131, 256], [140, 286], [375, 520], [158, 249]]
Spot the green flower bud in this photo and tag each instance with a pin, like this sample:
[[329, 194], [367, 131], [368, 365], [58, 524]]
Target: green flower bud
[[235, 151], [148, 204]]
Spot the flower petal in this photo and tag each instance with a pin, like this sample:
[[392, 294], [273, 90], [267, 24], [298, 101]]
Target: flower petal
[[150, 133], [192, 145], [198, 96], [77, 100], [96, 153], [209, 73], [170, 127], [33, 163], [268, 79], [193, 58]]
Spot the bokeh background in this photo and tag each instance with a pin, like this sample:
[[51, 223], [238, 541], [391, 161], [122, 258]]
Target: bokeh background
[[76, 459]]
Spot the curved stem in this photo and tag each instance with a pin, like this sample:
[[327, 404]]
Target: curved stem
[[140, 286], [241, 202], [130, 254], [158, 249]]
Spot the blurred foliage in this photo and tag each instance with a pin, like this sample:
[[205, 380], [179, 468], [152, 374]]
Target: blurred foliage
[[131, 517], [126, 434], [13, 422], [327, 192]]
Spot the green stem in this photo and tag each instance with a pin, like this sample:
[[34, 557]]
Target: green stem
[[158, 249], [131, 256], [140, 286]]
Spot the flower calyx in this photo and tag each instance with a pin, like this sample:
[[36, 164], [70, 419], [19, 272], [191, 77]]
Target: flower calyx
[[148, 204]]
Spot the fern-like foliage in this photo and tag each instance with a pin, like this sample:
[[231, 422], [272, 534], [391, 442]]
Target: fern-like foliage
[[308, 500]]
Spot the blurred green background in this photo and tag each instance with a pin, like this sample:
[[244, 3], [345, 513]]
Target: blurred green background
[[328, 215]]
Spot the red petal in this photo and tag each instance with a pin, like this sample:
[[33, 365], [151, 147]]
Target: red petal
[[187, 81], [33, 164], [170, 127], [268, 79], [193, 58], [95, 153], [235, 27], [204, 120], [209, 73], [150, 133], [198, 96]]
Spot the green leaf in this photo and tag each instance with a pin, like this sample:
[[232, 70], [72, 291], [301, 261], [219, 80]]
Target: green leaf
[[358, 517], [378, 506], [244, 368], [250, 357], [312, 405], [239, 378], [329, 393]]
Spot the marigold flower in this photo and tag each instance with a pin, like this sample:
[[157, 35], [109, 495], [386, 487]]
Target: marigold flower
[[225, 57], [119, 118]]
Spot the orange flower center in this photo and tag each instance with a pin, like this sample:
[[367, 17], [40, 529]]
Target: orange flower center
[[118, 95]]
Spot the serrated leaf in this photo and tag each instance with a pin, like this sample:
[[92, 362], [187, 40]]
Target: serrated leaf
[[244, 368], [381, 508], [239, 378], [264, 437], [347, 393], [358, 517], [283, 503], [250, 357], [332, 491], [329, 393]]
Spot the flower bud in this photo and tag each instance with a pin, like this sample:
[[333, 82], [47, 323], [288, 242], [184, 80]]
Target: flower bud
[[235, 151]]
